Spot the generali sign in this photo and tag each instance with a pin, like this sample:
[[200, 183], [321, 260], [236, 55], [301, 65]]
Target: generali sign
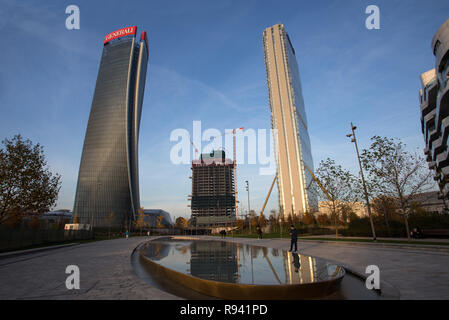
[[120, 33]]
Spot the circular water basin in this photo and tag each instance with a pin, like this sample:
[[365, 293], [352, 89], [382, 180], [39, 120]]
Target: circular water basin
[[230, 270]]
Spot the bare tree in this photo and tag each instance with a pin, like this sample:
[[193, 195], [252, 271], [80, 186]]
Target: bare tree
[[340, 185], [397, 173]]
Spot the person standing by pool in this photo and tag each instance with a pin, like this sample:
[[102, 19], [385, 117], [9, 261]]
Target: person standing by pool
[[296, 262], [294, 238], [259, 232]]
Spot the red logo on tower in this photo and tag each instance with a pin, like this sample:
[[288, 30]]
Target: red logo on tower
[[120, 33]]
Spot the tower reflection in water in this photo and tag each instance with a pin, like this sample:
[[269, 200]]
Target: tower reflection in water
[[214, 260], [240, 263]]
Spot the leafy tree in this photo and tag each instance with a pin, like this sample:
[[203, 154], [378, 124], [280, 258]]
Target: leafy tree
[[26, 184], [352, 216], [385, 208], [159, 219], [346, 211], [308, 219], [272, 219], [140, 223], [240, 224], [323, 219], [262, 220], [181, 222], [110, 220], [396, 173], [340, 185], [254, 221], [34, 223]]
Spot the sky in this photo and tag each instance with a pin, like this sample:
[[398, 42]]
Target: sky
[[206, 64]]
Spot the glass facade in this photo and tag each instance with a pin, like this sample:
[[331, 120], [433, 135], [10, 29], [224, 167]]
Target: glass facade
[[434, 105], [108, 175], [305, 148], [292, 144]]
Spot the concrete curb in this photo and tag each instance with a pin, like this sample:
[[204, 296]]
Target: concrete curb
[[35, 250], [383, 245], [386, 291]]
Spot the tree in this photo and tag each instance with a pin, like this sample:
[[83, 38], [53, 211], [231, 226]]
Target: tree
[[323, 219], [346, 211], [384, 207], [34, 223], [340, 185], [254, 221], [159, 219], [140, 223], [352, 216], [308, 219], [181, 222], [110, 220], [272, 219], [262, 220], [240, 224], [26, 184], [396, 173]]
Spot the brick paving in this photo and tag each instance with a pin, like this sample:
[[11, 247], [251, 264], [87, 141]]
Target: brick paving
[[106, 271]]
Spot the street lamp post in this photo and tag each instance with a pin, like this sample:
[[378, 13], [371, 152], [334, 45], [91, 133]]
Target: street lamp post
[[249, 207], [352, 135]]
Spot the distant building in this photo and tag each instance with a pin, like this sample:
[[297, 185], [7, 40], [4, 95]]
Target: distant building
[[434, 104], [288, 116], [430, 202], [62, 215], [213, 190], [324, 207], [157, 218]]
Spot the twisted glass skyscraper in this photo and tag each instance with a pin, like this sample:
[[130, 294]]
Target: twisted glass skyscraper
[[108, 183], [288, 116]]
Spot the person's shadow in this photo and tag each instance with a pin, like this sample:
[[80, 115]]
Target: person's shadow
[[296, 263]]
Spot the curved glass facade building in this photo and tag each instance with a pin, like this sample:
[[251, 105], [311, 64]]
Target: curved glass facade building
[[288, 115], [108, 180], [434, 103]]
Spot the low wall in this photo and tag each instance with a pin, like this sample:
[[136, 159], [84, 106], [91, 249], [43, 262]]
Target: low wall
[[15, 239]]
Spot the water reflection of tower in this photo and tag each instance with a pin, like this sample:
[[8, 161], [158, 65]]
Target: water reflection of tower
[[293, 277], [157, 251], [214, 261]]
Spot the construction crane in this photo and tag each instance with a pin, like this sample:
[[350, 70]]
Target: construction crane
[[318, 183], [194, 148], [313, 177]]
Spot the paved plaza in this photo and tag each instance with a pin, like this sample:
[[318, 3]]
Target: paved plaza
[[106, 271]]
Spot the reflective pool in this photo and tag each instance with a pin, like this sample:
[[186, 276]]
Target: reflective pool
[[237, 263]]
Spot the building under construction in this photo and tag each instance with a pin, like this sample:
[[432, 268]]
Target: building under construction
[[213, 190]]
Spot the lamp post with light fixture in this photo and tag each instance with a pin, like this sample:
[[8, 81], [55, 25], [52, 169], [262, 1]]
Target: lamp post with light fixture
[[249, 207], [352, 135]]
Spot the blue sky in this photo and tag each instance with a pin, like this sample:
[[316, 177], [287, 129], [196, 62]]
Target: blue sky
[[206, 63]]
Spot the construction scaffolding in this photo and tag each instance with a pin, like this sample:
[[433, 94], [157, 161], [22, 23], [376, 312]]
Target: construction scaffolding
[[213, 190]]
